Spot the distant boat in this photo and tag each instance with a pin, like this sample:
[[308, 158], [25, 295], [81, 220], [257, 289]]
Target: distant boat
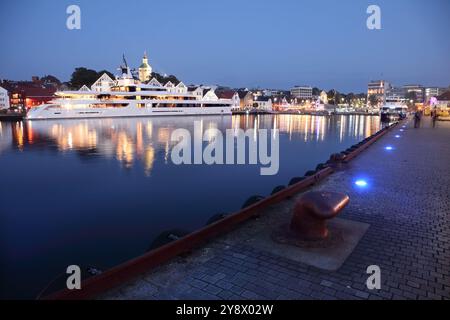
[[393, 111]]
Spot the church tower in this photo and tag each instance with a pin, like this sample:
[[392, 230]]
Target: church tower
[[145, 71]]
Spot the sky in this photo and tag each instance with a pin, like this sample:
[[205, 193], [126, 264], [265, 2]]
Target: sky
[[267, 44]]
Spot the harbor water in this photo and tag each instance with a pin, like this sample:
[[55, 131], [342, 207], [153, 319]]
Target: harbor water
[[98, 192]]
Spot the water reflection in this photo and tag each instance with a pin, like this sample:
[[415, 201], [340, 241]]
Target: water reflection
[[140, 140]]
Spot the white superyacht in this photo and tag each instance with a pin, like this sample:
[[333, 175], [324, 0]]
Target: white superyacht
[[129, 97]]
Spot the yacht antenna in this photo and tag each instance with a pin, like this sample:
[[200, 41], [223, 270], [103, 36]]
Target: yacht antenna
[[124, 61]]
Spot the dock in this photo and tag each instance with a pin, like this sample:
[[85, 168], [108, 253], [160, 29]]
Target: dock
[[11, 116], [403, 213]]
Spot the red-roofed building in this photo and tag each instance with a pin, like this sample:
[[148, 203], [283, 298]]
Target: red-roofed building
[[28, 94]]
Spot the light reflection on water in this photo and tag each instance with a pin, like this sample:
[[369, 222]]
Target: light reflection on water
[[75, 189], [130, 140]]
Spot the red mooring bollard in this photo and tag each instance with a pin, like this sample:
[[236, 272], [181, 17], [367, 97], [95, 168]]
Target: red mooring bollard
[[312, 211]]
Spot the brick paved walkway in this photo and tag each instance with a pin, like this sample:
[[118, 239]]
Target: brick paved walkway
[[407, 205]]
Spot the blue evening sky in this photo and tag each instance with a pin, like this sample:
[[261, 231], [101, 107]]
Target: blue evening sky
[[275, 44]]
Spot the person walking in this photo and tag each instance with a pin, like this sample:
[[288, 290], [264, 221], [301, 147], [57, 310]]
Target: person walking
[[417, 119], [434, 117]]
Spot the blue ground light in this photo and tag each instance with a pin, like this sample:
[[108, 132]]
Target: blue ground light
[[397, 136], [389, 148], [361, 183]]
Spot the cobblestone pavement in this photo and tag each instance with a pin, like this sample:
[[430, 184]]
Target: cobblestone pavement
[[406, 203]]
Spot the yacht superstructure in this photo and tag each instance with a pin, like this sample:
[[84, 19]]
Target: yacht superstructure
[[128, 97]]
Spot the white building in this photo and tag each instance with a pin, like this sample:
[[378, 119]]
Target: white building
[[323, 97], [209, 94], [379, 89], [4, 99], [181, 88], [155, 82], [229, 95], [417, 89], [170, 87], [104, 83], [263, 103], [196, 91], [433, 92], [302, 92]]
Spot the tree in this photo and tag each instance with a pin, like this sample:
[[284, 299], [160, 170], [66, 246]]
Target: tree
[[316, 91], [373, 100], [349, 98], [411, 96], [330, 95], [334, 97], [340, 97], [164, 79], [82, 76], [49, 79]]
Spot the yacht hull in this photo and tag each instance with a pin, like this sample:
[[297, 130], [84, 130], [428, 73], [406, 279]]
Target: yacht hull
[[62, 113]]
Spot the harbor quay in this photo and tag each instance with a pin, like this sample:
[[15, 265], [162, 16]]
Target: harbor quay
[[398, 189], [208, 167]]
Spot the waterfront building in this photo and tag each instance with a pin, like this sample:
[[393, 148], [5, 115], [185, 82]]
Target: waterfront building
[[271, 92], [443, 100], [154, 82], [181, 88], [36, 96], [17, 100], [379, 89], [170, 87], [302, 92], [246, 99], [280, 102], [196, 91], [103, 84], [145, 70], [323, 97], [27, 94], [4, 99], [209, 94], [417, 89], [263, 103], [229, 95], [433, 92], [396, 94]]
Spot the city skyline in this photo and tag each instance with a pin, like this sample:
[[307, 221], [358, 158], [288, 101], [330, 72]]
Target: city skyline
[[291, 44]]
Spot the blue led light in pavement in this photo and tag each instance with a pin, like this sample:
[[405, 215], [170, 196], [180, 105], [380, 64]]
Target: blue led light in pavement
[[361, 183], [389, 148], [397, 136]]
